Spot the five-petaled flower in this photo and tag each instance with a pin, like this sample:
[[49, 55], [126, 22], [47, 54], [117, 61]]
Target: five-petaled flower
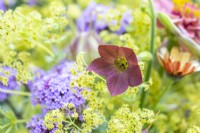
[[177, 63], [119, 65]]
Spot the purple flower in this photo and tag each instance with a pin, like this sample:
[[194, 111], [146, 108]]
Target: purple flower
[[36, 125], [126, 20], [89, 20], [52, 89], [119, 65], [32, 2], [12, 84], [2, 5]]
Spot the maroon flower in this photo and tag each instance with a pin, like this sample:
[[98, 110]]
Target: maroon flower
[[119, 65]]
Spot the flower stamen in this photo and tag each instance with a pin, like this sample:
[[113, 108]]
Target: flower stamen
[[121, 63]]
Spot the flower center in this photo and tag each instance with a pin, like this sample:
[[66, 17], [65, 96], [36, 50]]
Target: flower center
[[121, 63]]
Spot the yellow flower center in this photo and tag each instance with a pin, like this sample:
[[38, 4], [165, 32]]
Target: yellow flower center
[[121, 63]]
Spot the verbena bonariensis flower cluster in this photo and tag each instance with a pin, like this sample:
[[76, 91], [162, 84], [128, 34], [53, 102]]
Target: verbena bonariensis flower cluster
[[82, 66]]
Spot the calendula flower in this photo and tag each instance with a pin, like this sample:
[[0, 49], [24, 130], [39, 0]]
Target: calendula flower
[[177, 63], [119, 65]]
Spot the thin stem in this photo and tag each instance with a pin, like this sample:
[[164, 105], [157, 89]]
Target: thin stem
[[163, 93], [13, 108], [45, 49], [3, 113], [4, 126], [22, 121], [15, 92], [72, 123], [152, 42]]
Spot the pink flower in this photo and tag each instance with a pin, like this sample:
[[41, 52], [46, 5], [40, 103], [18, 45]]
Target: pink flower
[[163, 6], [185, 16], [187, 19], [120, 67]]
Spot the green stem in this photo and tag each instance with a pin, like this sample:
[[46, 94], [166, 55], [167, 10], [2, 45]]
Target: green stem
[[45, 49], [12, 107], [4, 126], [152, 42], [15, 92], [22, 121], [163, 93], [72, 123]]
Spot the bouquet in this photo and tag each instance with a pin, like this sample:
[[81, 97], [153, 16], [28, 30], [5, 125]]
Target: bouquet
[[91, 66]]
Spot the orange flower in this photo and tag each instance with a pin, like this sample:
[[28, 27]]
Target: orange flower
[[177, 63]]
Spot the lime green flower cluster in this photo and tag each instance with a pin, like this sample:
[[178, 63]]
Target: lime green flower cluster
[[194, 129], [84, 79], [93, 115], [114, 14], [92, 119], [54, 118], [125, 120], [27, 36]]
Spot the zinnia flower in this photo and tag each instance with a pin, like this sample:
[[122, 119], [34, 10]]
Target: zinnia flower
[[119, 65], [177, 63], [185, 16], [187, 19]]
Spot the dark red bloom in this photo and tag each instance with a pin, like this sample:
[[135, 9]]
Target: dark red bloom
[[119, 65]]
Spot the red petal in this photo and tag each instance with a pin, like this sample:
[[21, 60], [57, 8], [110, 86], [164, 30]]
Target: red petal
[[109, 52], [117, 83], [130, 56], [134, 76], [101, 66]]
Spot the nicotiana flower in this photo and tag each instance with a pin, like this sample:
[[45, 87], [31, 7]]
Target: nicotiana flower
[[177, 63], [119, 65], [52, 90], [9, 74]]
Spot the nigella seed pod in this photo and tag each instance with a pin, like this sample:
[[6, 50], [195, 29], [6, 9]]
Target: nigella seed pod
[[87, 42]]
